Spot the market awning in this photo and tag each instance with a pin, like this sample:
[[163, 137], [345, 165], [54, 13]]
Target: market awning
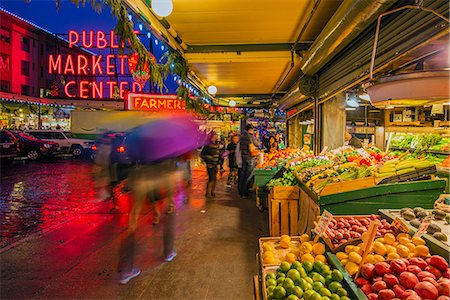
[[244, 48]]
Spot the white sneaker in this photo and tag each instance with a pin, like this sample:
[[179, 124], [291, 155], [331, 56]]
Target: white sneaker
[[124, 278]]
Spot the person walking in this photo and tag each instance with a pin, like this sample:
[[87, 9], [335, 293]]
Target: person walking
[[248, 147], [232, 164], [210, 155]]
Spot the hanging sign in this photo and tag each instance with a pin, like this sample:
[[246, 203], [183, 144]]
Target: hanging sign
[[149, 102]]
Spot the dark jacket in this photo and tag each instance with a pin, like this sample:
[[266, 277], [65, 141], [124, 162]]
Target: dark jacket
[[231, 148], [355, 142], [211, 154], [245, 141]]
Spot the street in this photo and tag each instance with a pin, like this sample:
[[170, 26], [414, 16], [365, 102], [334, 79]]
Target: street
[[64, 244]]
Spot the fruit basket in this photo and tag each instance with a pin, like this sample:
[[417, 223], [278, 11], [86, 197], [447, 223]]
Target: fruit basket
[[347, 230], [307, 280]]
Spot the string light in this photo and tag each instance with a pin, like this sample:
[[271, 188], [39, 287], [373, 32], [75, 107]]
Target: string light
[[130, 17], [162, 47], [156, 42], [149, 35], [140, 27]]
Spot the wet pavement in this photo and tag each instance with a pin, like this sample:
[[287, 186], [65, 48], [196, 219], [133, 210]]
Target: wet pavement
[[216, 243], [35, 197]]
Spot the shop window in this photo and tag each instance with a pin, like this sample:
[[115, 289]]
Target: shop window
[[25, 90], [25, 68], [5, 86], [5, 34], [25, 45], [42, 49]]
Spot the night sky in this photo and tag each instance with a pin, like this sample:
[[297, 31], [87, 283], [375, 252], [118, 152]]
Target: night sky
[[44, 14]]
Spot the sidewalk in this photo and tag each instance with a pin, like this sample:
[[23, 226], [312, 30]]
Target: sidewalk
[[216, 254]]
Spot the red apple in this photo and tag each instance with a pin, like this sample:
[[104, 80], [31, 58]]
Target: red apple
[[431, 280], [378, 286], [386, 294], [446, 273], [420, 262], [408, 280], [408, 293], [382, 268], [372, 296], [414, 297], [398, 266], [390, 280], [426, 290], [443, 298], [439, 262], [424, 274], [360, 281], [414, 269], [367, 271], [367, 289], [398, 290], [435, 271], [444, 287]]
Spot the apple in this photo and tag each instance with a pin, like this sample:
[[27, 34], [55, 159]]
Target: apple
[[444, 287], [408, 293], [360, 281], [437, 273], [378, 286], [408, 280], [398, 290], [424, 274], [372, 296], [367, 271], [426, 290], [398, 266], [414, 269], [439, 262], [382, 268], [367, 289], [391, 280], [446, 273], [386, 294], [420, 262]]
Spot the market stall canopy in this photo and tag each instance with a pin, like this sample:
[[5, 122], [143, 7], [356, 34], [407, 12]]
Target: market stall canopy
[[243, 47]]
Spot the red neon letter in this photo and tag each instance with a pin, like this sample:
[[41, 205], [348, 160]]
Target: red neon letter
[[84, 39], [66, 89], [111, 88], [74, 37], [101, 40], [109, 66], [97, 89], [84, 91], [82, 63], [122, 86], [122, 63], [69, 65], [112, 38], [96, 64], [54, 65], [136, 87]]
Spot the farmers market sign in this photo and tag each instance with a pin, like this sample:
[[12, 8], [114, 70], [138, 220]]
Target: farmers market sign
[[149, 102]]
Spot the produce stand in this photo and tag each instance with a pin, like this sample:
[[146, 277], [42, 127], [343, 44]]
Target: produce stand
[[435, 245], [263, 176]]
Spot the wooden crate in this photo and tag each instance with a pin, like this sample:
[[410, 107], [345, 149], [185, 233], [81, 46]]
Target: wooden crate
[[285, 192], [283, 216], [309, 211], [280, 252], [346, 186]]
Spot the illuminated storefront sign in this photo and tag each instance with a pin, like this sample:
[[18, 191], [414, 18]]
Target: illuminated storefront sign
[[150, 102], [85, 65]]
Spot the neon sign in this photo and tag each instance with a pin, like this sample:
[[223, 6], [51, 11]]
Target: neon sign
[[150, 102], [92, 65]]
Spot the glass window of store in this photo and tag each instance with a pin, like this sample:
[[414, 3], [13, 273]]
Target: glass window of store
[[25, 68], [5, 86], [25, 90]]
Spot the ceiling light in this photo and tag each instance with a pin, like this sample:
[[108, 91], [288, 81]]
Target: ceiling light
[[232, 103], [350, 108], [212, 90], [162, 8]]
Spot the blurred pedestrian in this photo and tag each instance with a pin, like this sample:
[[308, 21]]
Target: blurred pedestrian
[[144, 180], [232, 164], [248, 146], [210, 155], [221, 142]]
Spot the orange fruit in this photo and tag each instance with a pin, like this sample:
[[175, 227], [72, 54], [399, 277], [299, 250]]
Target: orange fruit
[[379, 248], [418, 241], [404, 240], [354, 257], [344, 261], [402, 234], [422, 251], [321, 258], [391, 249], [389, 238], [378, 258], [342, 255], [403, 251], [304, 238], [307, 257], [371, 259], [349, 248], [411, 247], [318, 248], [290, 258], [306, 247], [392, 255]]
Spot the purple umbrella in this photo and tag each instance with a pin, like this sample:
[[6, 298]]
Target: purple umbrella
[[164, 138]]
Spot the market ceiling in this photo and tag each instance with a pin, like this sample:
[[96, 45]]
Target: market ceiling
[[250, 50]]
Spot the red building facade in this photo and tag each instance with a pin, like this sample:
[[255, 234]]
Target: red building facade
[[24, 54]]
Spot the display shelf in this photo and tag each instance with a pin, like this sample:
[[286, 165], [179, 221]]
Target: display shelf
[[435, 246]]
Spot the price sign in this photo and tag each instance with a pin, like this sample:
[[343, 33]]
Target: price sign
[[363, 153], [324, 221], [400, 225], [371, 233], [423, 227]]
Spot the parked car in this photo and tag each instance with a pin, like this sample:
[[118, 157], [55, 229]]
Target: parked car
[[66, 140], [9, 148], [32, 147]]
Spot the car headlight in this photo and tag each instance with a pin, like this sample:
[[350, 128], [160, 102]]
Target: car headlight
[[47, 145]]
